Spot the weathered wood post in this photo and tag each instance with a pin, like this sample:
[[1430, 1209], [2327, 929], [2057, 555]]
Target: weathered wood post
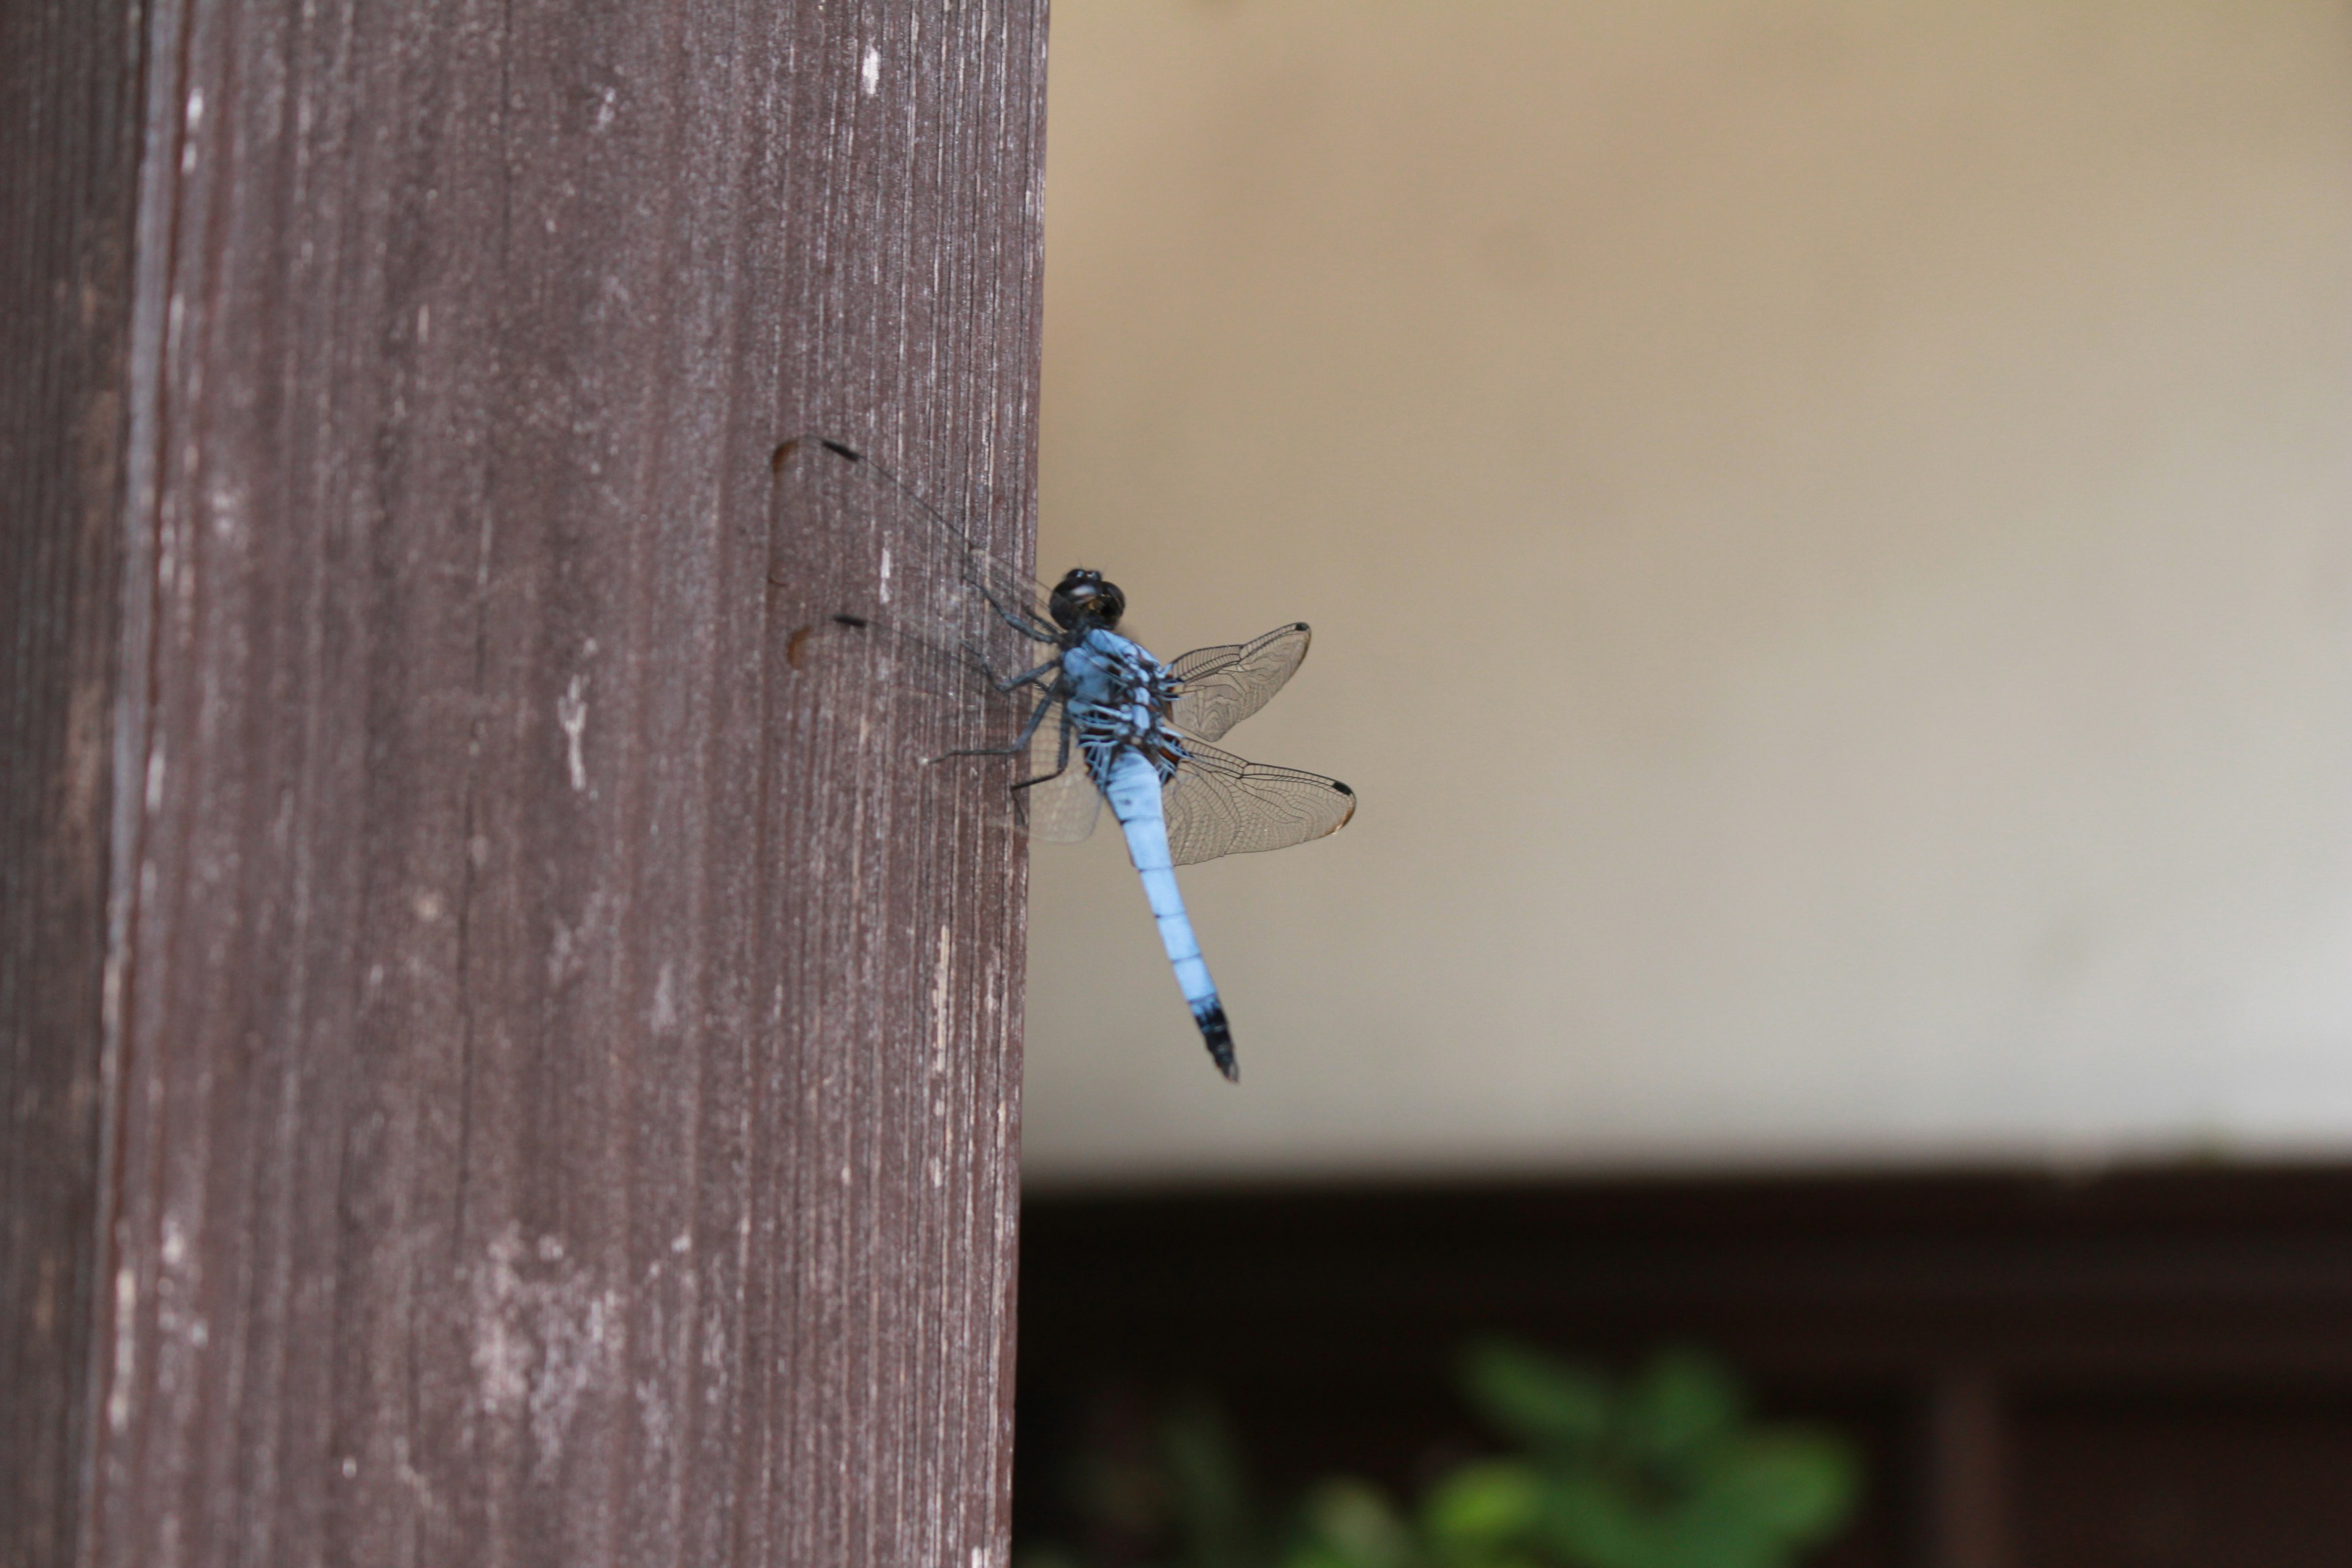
[[500, 1067]]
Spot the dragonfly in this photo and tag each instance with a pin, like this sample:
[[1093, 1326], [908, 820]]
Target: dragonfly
[[1099, 720]]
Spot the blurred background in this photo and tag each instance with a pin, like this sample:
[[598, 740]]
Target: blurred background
[[1829, 533]]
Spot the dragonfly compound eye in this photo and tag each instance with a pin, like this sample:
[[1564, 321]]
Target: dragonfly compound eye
[[1084, 595]]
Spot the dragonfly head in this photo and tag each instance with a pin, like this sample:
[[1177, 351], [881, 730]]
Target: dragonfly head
[[1084, 596]]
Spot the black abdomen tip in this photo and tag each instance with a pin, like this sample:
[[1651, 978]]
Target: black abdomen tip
[[1219, 1039]]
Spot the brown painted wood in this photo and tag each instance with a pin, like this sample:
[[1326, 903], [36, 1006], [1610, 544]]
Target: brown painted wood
[[67, 172], [560, 1078]]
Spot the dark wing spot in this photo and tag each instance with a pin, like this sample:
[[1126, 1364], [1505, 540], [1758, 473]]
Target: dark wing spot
[[838, 450], [860, 622], [1343, 789]]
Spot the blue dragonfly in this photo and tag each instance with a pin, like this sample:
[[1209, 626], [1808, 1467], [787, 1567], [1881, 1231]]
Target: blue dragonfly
[[1050, 677]]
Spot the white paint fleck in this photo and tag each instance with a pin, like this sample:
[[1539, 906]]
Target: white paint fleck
[[424, 323], [541, 1341], [126, 1348], [939, 1003], [656, 1412], [196, 122], [666, 997], [607, 97], [886, 574], [571, 712], [579, 1354], [224, 500], [682, 1242], [176, 1243], [428, 905], [938, 1176], [501, 1354], [155, 779], [351, 1468], [871, 73]]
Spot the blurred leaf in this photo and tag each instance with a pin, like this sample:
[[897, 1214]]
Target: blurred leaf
[[1796, 1485], [1695, 1536], [1316, 1554], [1594, 1522], [1665, 1472], [1536, 1396], [1682, 1403], [1209, 1495], [1354, 1521], [1488, 1504]]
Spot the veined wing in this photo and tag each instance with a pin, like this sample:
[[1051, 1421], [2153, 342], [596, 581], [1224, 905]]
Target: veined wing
[[870, 541], [1223, 686], [1064, 809], [1218, 805], [891, 582]]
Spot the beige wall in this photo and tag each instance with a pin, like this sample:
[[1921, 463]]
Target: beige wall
[[1829, 532]]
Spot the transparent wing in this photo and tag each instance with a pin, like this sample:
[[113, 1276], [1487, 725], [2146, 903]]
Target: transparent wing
[[886, 587], [1218, 805], [1064, 809], [1223, 686], [854, 539]]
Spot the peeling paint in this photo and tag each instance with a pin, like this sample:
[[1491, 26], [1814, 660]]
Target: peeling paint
[[543, 1342], [939, 1003], [665, 996], [571, 712], [126, 1348]]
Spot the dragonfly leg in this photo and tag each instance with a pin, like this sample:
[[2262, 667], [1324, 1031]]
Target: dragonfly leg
[[1021, 744], [979, 655], [1029, 678], [1061, 760], [1024, 622]]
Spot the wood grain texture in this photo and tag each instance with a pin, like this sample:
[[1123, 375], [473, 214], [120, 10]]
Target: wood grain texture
[[561, 1075], [68, 86]]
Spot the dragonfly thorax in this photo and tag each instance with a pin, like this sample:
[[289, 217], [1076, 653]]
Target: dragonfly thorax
[[1084, 598], [1119, 697]]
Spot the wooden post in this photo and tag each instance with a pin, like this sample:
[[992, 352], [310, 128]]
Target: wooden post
[[500, 1066], [1967, 1512]]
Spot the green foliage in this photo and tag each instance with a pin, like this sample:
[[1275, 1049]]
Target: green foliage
[[1212, 1498], [1662, 1470]]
